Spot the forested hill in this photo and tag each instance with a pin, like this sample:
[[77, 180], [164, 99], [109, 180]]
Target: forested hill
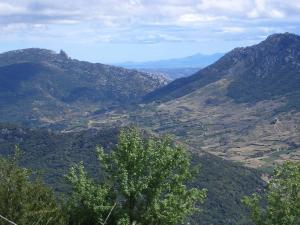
[[53, 154], [39, 87]]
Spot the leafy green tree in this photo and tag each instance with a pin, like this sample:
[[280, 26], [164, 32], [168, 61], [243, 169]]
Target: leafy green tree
[[147, 179], [283, 198], [25, 200], [89, 202]]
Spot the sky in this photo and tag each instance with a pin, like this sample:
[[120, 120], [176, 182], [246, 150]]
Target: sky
[[111, 31]]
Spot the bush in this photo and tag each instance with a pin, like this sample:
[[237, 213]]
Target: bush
[[25, 199]]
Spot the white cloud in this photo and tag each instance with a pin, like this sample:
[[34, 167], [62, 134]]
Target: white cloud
[[232, 29], [225, 5], [263, 8], [197, 18], [150, 21], [7, 9]]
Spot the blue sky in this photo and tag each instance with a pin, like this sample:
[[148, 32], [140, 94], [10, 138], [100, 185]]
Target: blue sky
[[140, 30]]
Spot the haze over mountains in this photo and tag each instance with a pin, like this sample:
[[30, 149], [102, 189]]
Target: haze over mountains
[[194, 61], [175, 68]]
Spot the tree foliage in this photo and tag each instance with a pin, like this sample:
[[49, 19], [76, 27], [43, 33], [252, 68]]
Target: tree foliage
[[24, 199], [147, 179], [89, 202], [283, 198]]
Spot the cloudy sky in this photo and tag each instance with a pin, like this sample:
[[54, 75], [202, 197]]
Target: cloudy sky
[[141, 30]]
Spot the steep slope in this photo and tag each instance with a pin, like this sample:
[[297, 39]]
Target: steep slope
[[52, 154], [264, 71], [40, 87]]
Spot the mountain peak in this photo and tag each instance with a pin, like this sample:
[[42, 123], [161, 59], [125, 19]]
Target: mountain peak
[[30, 51], [283, 36], [63, 54], [32, 55], [282, 40]]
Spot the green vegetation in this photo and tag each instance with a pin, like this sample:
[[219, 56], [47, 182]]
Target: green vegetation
[[279, 82], [226, 183], [51, 88], [145, 177], [52, 154], [283, 198], [24, 199], [292, 103]]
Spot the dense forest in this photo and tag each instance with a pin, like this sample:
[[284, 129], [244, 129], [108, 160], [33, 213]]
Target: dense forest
[[143, 180], [52, 154]]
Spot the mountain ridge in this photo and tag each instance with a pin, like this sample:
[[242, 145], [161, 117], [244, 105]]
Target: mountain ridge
[[236, 63], [52, 87], [193, 61]]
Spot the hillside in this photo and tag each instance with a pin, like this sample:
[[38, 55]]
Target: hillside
[[41, 87], [244, 107], [263, 71], [172, 73], [52, 154]]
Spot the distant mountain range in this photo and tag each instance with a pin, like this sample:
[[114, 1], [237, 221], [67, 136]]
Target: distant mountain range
[[194, 61], [174, 68]]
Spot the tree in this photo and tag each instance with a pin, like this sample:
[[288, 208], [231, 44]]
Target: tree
[[282, 198], [147, 179], [24, 199], [89, 202]]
